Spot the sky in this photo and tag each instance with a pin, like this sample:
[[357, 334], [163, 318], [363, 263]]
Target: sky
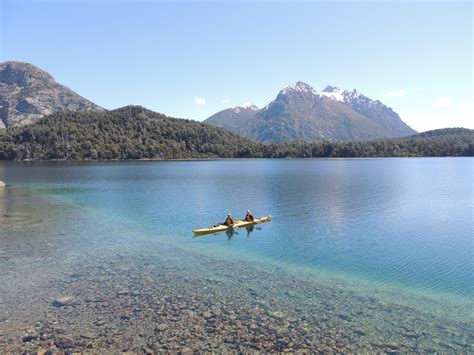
[[191, 59]]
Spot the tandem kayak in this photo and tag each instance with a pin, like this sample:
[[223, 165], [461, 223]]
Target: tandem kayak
[[238, 224]]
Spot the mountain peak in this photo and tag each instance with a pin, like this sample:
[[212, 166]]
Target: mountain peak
[[22, 74], [330, 88], [250, 106], [246, 107], [300, 87], [299, 112], [333, 92]]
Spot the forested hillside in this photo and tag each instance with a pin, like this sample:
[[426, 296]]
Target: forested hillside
[[127, 133], [437, 143], [136, 133]]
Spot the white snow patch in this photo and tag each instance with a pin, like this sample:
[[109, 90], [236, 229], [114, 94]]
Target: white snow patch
[[335, 95], [248, 105], [298, 87]]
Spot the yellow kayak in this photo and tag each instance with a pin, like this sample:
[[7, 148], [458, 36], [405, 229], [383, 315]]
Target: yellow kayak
[[238, 224]]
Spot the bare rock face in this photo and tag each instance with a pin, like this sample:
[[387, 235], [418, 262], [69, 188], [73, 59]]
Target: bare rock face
[[27, 93]]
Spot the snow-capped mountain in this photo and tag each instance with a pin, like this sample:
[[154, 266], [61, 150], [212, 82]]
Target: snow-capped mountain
[[373, 109], [299, 112], [244, 107], [235, 119]]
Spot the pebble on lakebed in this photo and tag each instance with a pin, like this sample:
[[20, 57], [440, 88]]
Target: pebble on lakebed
[[63, 301], [207, 305]]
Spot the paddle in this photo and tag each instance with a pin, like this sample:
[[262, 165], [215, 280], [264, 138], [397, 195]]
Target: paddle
[[235, 226]]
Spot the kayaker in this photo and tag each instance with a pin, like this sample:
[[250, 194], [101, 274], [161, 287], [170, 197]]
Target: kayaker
[[249, 217], [229, 221]]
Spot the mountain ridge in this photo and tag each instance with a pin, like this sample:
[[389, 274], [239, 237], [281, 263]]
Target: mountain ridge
[[299, 112]]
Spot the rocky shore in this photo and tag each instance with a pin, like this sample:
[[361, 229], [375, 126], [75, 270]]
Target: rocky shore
[[145, 304]]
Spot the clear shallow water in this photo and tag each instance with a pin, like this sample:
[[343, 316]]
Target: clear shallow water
[[402, 221], [402, 227]]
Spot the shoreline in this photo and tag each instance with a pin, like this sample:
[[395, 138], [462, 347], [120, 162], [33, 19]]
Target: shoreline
[[235, 159]]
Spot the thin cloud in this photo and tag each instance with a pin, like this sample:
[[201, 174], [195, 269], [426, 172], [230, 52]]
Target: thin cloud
[[200, 101], [399, 93], [225, 101], [444, 101]]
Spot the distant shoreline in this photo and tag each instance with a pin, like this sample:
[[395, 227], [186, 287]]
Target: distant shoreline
[[133, 133], [221, 159]]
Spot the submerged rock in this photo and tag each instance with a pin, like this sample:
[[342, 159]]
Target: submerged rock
[[123, 292], [30, 337], [207, 314], [277, 314], [63, 301], [64, 342], [157, 312], [161, 327], [2, 184]]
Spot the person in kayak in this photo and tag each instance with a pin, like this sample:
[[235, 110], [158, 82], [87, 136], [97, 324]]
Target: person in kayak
[[229, 222], [249, 217]]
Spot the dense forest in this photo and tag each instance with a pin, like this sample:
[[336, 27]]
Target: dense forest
[[137, 133], [127, 133], [437, 143]]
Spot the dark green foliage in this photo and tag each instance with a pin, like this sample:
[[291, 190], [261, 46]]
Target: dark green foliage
[[136, 133], [437, 143]]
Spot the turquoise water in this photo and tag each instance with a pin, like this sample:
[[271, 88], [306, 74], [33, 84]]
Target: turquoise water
[[400, 226], [403, 221]]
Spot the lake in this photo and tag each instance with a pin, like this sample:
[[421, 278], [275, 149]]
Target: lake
[[360, 255]]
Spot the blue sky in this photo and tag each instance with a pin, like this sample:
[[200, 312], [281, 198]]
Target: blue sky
[[191, 59]]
